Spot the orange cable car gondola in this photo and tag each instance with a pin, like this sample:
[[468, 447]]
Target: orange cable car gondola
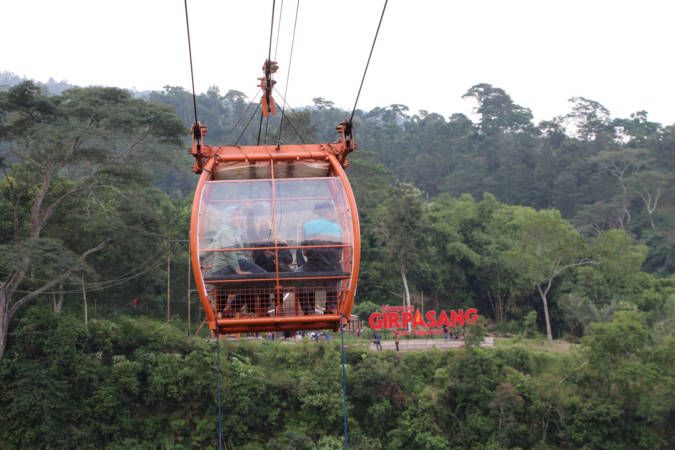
[[274, 233]]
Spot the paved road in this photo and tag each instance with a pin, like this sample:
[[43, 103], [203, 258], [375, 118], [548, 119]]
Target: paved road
[[407, 345]]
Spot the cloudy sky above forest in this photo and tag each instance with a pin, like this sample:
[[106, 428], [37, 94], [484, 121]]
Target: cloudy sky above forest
[[428, 53]]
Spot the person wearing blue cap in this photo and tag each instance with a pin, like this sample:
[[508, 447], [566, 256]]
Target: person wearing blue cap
[[321, 231]]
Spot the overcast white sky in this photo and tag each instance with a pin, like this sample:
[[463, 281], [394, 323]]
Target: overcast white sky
[[429, 53]]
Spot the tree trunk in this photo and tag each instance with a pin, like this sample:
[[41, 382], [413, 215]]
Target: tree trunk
[[544, 301], [498, 304], [84, 300], [544, 425], [58, 302], [4, 321], [407, 292], [168, 286], [650, 205], [8, 288], [626, 207]]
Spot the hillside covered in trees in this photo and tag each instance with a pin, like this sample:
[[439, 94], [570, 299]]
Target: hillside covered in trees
[[134, 383], [564, 228], [501, 214]]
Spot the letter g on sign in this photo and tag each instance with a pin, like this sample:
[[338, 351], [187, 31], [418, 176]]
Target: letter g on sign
[[375, 320]]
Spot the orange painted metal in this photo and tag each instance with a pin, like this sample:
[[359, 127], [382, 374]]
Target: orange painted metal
[[194, 244], [292, 323], [207, 158], [356, 230], [260, 280], [297, 152], [267, 102], [288, 247]]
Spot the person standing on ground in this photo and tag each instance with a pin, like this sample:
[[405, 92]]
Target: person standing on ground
[[377, 341], [396, 339]]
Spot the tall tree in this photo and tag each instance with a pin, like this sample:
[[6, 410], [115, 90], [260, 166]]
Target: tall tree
[[591, 119], [498, 112], [65, 146], [547, 247], [623, 165], [638, 130], [400, 230]]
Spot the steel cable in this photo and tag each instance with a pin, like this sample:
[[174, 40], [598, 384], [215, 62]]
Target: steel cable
[[368, 62]]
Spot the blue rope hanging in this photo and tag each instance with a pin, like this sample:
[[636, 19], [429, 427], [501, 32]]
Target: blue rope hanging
[[344, 383], [219, 394]]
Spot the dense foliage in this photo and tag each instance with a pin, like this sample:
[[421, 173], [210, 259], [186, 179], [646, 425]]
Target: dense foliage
[[133, 383], [76, 198], [435, 235], [563, 228], [437, 202]]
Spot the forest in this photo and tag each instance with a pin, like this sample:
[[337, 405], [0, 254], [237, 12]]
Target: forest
[[556, 230]]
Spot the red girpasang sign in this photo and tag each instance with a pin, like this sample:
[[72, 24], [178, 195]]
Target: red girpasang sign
[[431, 322]]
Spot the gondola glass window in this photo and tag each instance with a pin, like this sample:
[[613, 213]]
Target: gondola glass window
[[275, 248]]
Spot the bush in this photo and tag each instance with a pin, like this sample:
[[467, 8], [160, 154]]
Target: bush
[[474, 334], [530, 327]]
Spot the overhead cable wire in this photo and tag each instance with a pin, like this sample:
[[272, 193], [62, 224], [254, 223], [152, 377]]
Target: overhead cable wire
[[103, 285], [288, 73], [95, 283], [247, 124], [289, 120], [267, 88], [276, 50], [269, 52], [132, 270], [192, 73], [269, 59], [99, 285], [244, 114], [259, 127], [276, 46], [384, 8], [267, 124]]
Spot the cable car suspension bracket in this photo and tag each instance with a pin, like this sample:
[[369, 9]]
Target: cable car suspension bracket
[[267, 84]]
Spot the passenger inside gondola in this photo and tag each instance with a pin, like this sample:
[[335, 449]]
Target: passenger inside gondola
[[274, 249], [323, 230], [220, 261], [266, 258], [317, 233]]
